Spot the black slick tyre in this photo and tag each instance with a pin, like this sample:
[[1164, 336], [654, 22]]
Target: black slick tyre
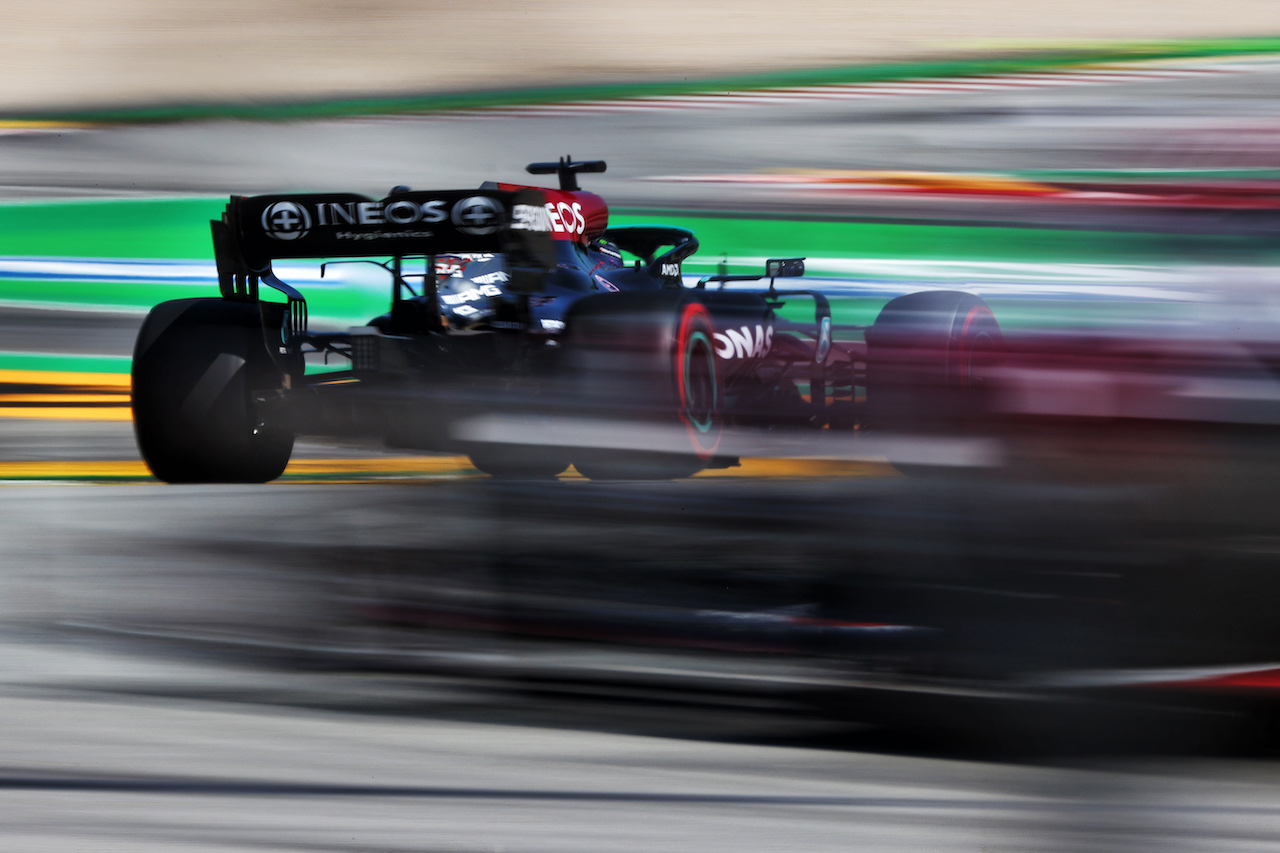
[[522, 462], [646, 361], [931, 359], [200, 371]]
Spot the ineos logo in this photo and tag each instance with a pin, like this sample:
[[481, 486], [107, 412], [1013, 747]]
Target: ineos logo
[[286, 220], [477, 215]]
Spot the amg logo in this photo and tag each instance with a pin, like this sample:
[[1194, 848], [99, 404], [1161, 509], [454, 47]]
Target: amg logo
[[741, 343], [470, 295]]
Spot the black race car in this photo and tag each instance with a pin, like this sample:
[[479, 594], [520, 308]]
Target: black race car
[[528, 334]]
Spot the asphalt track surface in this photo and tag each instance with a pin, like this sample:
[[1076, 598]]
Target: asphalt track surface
[[117, 767], [164, 672], [176, 676]]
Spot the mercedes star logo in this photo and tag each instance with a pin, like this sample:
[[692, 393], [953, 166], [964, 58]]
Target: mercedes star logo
[[478, 215], [286, 220]]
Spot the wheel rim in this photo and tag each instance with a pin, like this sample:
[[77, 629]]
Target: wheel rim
[[700, 384]]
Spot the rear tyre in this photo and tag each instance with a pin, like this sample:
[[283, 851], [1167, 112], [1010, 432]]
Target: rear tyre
[[931, 359], [201, 370], [646, 361]]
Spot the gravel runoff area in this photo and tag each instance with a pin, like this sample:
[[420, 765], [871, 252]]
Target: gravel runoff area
[[65, 54]]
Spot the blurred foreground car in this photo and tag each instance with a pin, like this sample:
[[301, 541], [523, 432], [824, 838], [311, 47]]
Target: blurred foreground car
[[511, 305]]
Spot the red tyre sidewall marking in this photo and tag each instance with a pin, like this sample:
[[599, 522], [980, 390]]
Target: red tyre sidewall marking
[[688, 316], [974, 313]]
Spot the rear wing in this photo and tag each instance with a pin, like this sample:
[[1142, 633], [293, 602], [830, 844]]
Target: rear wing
[[256, 230]]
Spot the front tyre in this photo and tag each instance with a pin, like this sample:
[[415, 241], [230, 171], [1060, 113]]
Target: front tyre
[[931, 362], [201, 374], [522, 462], [650, 359], [699, 395]]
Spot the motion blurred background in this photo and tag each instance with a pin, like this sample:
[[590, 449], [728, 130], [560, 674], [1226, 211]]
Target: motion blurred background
[[1054, 630], [71, 53]]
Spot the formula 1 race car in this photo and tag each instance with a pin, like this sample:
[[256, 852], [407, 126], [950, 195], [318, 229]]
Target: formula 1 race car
[[526, 333]]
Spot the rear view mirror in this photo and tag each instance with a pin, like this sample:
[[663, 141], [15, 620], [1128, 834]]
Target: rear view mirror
[[784, 267]]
